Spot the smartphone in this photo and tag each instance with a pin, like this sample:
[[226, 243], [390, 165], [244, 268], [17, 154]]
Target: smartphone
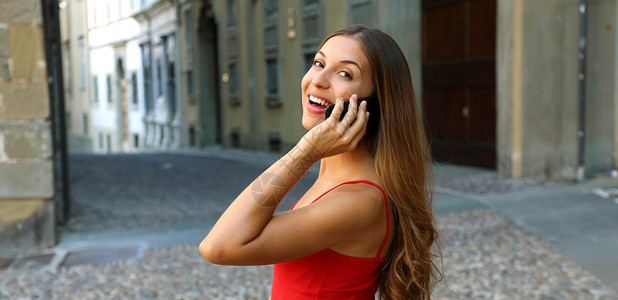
[[373, 107]]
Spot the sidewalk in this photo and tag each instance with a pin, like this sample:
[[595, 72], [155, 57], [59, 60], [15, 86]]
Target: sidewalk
[[570, 217], [503, 238]]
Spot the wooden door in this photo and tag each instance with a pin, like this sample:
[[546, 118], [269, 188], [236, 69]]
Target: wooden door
[[459, 86]]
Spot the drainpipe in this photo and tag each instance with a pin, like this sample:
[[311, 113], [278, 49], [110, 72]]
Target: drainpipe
[[55, 86], [583, 11]]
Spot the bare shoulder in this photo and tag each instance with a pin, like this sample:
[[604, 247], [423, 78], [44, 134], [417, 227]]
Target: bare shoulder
[[354, 198], [360, 190], [354, 212]]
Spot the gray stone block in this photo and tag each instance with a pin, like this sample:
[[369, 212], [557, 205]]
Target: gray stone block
[[26, 180], [5, 74], [4, 42], [23, 101], [20, 11], [26, 226], [26, 140]]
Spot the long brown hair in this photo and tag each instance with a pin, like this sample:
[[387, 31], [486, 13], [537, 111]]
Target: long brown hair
[[402, 159]]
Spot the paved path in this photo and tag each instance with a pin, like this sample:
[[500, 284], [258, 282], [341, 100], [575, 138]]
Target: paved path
[[138, 219]]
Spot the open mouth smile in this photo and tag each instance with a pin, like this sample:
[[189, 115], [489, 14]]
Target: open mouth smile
[[317, 101], [316, 105]]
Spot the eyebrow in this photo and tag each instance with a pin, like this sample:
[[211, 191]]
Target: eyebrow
[[344, 61]]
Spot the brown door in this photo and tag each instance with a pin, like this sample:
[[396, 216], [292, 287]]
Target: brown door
[[459, 86]]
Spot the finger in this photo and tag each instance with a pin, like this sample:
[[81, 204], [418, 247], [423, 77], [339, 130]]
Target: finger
[[357, 130], [336, 114], [352, 111], [361, 117], [363, 128]]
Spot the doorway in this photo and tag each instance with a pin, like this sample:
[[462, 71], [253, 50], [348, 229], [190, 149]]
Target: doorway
[[459, 85], [210, 116]]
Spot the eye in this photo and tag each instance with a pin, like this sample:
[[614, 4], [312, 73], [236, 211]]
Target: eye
[[318, 64], [345, 74]]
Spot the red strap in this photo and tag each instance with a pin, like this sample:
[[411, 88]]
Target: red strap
[[388, 223]]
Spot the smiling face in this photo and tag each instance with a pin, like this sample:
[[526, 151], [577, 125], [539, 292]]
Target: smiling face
[[340, 69]]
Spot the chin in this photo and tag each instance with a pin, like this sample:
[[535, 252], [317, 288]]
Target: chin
[[309, 122]]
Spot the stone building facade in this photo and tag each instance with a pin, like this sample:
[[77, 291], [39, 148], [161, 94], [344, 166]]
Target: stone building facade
[[27, 206], [74, 33], [497, 79]]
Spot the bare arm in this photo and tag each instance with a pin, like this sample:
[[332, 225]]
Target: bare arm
[[248, 226]]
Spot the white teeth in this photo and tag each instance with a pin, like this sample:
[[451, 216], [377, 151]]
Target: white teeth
[[318, 100]]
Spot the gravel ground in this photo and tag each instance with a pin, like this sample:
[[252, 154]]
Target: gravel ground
[[485, 257], [488, 183]]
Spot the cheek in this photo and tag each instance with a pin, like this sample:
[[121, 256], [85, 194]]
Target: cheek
[[304, 83]]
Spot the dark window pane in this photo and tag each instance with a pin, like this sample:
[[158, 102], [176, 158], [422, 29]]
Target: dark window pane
[[159, 78], [233, 77], [190, 83], [134, 87], [95, 89], [271, 8], [109, 88], [309, 57], [232, 12], [188, 26], [272, 84]]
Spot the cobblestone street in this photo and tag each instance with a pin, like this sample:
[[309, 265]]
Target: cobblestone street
[[120, 192], [486, 255]]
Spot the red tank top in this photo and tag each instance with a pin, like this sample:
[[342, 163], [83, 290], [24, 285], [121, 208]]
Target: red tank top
[[328, 274]]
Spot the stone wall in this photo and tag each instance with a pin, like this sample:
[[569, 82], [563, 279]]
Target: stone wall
[[538, 91], [26, 168]]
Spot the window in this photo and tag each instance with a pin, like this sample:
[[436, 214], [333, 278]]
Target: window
[[134, 99], [85, 123], [192, 136], [135, 141], [159, 79], [188, 26], [309, 58], [233, 84], [108, 80], [271, 52], [68, 80], [82, 63], [125, 8], [233, 79], [108, 140], [101, 145], [95, 89], [274, 141], [146, 73], [271, 8], [170, 72], [272, 87], [113, 10], [363, 12], [232, 12], [190, 91]]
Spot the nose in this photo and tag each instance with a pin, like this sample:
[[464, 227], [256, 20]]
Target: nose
[[320, 79]]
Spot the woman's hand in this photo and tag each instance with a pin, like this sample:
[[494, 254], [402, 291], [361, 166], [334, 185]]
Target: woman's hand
[[332, 137]]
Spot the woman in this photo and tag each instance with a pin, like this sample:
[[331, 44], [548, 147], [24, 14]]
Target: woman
[[366, 222]]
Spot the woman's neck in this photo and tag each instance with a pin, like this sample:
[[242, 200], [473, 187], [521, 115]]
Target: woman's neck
[[356, 164]]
